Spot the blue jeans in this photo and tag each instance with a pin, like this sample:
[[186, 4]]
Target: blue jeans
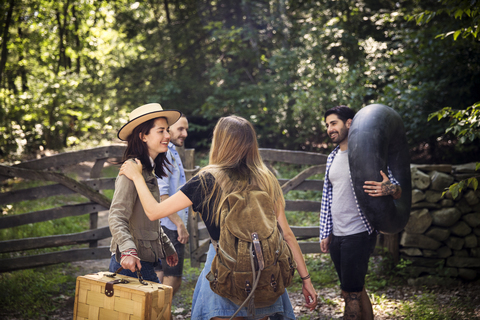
[[207, 304], [148, 270], [350, 255]]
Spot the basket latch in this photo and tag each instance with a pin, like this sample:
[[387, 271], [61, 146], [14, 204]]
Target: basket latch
[[109, 286]]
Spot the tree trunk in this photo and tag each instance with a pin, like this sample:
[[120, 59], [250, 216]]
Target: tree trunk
[[4, 55], [22, 69], [62, 60], [167, 11], [78, 45]]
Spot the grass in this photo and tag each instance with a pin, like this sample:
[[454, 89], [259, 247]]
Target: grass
[[427, 307], [35, 293]]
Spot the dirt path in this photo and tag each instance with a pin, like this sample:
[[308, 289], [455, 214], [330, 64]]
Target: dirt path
[[386, 303]]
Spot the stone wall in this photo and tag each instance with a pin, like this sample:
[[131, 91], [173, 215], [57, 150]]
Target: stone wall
[[442, 237]]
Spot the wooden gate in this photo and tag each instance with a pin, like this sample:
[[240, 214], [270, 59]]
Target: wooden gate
[[48, 169]]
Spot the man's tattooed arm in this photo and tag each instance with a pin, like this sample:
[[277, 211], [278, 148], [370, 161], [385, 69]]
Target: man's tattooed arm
[[389, 188]]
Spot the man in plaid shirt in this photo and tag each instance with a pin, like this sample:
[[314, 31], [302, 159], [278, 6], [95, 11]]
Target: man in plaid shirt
[[344, 230]]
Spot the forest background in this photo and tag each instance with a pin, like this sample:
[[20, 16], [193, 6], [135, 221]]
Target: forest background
[[72, 70]]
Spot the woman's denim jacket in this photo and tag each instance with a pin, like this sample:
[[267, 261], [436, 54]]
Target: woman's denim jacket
[[130, 226]]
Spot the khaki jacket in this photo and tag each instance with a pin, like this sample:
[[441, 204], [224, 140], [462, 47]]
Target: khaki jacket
[[130, 226]]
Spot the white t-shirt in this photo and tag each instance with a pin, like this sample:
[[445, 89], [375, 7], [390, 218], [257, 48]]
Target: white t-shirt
[[345, 216]]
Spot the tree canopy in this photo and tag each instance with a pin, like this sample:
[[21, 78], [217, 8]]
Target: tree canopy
[[72, 70]]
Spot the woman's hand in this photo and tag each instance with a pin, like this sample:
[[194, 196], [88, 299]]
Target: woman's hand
[[383, 188], [131, 170], [310, 294], [172, 260], [131, 263]]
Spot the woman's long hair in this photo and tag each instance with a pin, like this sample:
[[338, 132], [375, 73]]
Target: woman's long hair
[[137, 148], [236, 164]]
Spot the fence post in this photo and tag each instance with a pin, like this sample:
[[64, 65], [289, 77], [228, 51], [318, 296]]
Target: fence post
[[192, 224], [95, 173], [391, 242]]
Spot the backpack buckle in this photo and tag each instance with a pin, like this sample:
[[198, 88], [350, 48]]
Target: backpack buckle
[[277, 254], [273, 283], [215, 280], [291, 266], [248, 287]]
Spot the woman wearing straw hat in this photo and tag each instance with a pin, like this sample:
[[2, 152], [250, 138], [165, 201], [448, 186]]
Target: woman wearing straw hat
[[138, 243]]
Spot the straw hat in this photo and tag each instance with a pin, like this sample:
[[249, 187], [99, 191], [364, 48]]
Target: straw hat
[[145, 113]]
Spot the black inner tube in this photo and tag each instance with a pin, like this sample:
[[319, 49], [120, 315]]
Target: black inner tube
[[376, 139]]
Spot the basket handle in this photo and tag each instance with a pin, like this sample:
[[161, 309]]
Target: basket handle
[[139, 275]]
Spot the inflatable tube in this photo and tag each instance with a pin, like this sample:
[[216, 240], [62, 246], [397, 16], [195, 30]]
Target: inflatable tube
[[376, 139]]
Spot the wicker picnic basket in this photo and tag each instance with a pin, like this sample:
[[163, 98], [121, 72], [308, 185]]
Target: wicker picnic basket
[[105, 296]]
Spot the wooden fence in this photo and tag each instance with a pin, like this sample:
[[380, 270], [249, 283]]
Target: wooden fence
[[49, 168]]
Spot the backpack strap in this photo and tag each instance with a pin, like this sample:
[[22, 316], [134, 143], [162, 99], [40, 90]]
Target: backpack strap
[[215, 244], [261, 264], [258, 251]]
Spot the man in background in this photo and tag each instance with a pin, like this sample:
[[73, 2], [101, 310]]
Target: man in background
[[175, 225]]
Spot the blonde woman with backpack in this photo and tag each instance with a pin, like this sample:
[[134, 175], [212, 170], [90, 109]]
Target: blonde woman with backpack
[[235, 165]]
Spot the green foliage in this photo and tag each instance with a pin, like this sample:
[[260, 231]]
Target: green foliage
[[456, 188], [461, 17], [401, 268], [34, 293], [465, 9], [464, 124], [74, 69], [56, 70]]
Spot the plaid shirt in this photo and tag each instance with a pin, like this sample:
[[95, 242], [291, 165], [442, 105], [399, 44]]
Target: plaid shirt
[[326, 224]]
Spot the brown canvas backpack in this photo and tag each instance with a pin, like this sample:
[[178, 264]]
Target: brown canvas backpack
[[257, 269]]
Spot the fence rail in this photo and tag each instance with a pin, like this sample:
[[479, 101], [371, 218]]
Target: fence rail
[[49, 168]]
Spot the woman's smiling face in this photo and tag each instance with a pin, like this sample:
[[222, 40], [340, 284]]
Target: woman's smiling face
[[157, 138]]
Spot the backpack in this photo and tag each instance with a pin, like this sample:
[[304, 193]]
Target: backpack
[[239, 272]]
